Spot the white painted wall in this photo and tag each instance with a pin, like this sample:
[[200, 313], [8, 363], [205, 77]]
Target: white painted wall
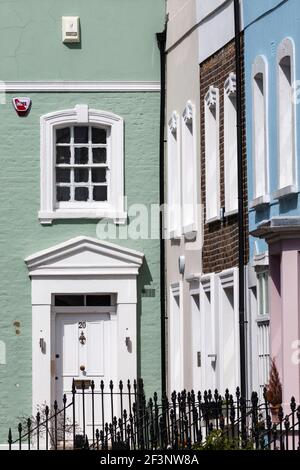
[[183, 85], [216, 25]]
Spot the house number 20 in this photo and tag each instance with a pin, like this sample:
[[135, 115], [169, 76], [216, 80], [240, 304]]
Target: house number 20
[[82, 325]]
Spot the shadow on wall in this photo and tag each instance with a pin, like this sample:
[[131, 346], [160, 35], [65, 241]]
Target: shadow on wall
[[144, 282], [262, 214], [288, 204]]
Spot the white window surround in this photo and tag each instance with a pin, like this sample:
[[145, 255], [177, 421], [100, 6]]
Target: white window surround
[[286, 108], [189, 169], [81, 114], [212, 155], [174, 177], [81, 265], [260, 135], [230, 146]]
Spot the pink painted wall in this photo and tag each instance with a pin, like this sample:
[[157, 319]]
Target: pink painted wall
[[284, 311]]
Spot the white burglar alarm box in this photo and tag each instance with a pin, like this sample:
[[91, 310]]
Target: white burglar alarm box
[[70, 29]]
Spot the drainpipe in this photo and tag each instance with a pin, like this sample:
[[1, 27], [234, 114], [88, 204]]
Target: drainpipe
[[161, 41], [241, 227]]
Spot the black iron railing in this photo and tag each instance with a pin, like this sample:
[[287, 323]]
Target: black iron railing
[[121, 417]]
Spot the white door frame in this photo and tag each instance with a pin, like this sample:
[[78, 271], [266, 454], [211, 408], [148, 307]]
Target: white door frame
[[82, 265]]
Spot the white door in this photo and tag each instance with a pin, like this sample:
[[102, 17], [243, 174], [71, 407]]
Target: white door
[[228, 377], [175, 354], [209, 360], [203, 343], [85, 350], [197, 344]]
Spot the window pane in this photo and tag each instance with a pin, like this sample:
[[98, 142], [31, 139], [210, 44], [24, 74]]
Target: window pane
[[63, 155], [98, 136], [100, 193], [81, 194], [63, 135], [62, 193], [69, 301], [266, 294], [81, 156], [260, 295], [81, 175], [63, 175], [81, 135], [99, 155], [99, 175], [98, 300]]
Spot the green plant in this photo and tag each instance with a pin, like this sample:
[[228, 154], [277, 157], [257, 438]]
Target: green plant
[[274, 388], [218, 440]]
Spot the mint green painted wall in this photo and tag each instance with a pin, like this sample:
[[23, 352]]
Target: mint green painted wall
[[118, 40], [21, 234]]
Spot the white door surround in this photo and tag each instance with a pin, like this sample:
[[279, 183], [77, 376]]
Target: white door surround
[[81, 265]]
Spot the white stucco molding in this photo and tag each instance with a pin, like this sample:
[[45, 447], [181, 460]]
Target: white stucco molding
[[230, 84], [81, 86], [211, 97], [188, 112], [286, 48], [173, 122], [114, 208], [84, 256]]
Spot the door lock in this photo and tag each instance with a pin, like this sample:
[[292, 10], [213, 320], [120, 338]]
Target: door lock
[[198, 358]]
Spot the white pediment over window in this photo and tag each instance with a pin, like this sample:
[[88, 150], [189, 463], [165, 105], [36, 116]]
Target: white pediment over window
[[84, 256]]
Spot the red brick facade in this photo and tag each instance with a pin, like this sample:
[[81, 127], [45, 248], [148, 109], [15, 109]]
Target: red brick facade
[[220, 249]]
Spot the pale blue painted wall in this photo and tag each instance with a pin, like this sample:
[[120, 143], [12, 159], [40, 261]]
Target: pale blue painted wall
[[267, 23]]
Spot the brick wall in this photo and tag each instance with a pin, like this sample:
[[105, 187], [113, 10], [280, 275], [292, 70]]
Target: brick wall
[[220, 249]]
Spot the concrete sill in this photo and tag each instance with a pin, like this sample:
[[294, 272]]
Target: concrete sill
[[284, 192], [213, 219], [230, 213], [46, 218], [260, 201]]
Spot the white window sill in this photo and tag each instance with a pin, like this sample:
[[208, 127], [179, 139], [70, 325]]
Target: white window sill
[[283, 192], [262, 319], [190, 229], [230, 213], [213, 219], [46, 218], [175, 234], [260, 201]]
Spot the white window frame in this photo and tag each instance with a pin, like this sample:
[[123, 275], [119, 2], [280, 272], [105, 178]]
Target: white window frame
[[260, 138], [230, 146], [174, 177], [262, 320], [189, 169], [82, 114], [286, 49], [212, 154]]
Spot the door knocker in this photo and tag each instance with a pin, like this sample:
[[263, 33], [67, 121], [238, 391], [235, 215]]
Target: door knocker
[[82, 338]]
